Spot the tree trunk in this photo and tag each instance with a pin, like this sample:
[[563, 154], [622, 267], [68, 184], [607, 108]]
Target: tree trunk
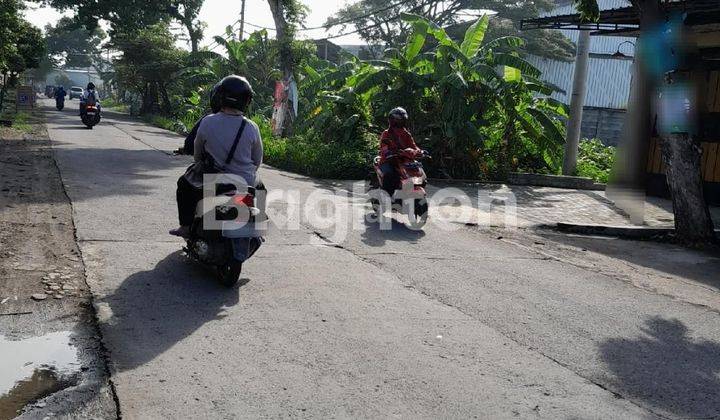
[[682, 155], [166, 107], [681, 152], [284, 37], [150, 103], [194, 36]]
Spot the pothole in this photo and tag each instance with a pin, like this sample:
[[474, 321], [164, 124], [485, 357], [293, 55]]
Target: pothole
[[34, 368]]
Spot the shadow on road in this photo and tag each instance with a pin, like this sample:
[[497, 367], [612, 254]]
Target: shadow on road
[[376, 237], [667, 369], [156, 309]]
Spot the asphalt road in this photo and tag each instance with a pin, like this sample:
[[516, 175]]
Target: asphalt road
[[374, 324]]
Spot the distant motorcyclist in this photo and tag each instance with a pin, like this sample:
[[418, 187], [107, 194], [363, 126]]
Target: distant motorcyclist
[[395, 141], [60, 95], [89, 98]]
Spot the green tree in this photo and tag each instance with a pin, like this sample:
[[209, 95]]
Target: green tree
[[148, 58], [378, 23], [186, 12], [126, 15], [21, 44], [73, 45], [287, 14]]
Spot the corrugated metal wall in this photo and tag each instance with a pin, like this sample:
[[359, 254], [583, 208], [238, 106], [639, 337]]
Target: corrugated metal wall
[[608, 80]]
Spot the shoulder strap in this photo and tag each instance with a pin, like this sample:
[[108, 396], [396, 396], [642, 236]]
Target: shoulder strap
[[231, 155]]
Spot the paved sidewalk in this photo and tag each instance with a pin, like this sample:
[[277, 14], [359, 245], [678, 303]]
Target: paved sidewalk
[[547, 206]]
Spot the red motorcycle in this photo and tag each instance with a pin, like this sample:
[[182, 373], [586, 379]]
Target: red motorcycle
[[410, 197]]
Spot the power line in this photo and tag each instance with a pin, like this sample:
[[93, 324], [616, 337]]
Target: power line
[[350, 20], [376, 24], [366, 15]]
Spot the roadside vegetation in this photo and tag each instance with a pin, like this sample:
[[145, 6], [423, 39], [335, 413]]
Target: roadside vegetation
[[476, 104], [479, 108], [596, 160]]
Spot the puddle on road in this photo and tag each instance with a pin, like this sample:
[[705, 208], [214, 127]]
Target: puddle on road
[[35, 368]]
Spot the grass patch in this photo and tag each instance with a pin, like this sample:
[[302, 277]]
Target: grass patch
[[165, 123], [22, 122]]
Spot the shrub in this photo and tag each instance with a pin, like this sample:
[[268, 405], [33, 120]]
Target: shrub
[[21, 122], [595, 160], [309, 155], [164, 123]]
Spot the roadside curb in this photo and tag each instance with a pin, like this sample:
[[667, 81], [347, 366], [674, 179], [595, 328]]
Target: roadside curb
[[532, 180], [555, 181], [627, 232]]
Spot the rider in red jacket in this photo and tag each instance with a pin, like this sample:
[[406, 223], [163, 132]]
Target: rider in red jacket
[[395, 141]]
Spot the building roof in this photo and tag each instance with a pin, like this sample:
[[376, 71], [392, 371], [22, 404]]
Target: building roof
[[622, 19]]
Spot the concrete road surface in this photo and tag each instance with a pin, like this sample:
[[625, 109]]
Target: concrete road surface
[[376, 324]]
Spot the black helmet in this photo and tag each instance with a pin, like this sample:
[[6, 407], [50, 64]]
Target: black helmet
[[233, 92], [215, 100], [91, 86], [398, 117]]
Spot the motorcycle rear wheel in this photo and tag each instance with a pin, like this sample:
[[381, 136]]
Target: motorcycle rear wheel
[[229, 274]]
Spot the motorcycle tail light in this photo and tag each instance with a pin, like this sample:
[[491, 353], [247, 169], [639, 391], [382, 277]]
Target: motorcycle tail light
[[244, 200]]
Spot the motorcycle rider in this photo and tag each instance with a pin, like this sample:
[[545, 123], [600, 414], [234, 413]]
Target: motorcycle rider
[[89, 97], [215, 136], [60, 95], [394, 141]]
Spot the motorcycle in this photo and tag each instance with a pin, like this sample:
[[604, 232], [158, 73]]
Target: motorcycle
[[91, 116], [410, 197], [60, 103], [238, 239]]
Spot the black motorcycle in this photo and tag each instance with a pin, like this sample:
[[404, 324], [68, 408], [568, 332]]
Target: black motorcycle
[[90, 116], [60, 99], [235, 241]]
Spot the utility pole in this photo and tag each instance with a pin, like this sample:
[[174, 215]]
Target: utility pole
[[242, 20], [577, 102]]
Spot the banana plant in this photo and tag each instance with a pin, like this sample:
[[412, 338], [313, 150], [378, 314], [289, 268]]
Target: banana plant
[[475, 100]]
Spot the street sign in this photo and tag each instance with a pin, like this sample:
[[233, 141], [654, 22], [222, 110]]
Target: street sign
[[25, 97]]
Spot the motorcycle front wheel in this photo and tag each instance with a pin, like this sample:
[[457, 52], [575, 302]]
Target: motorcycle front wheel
[[229, 274], [419, 214]]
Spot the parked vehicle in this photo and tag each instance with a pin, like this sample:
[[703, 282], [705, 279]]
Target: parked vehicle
[[76, 92], [410, 198], [90, 116], [226, 249]]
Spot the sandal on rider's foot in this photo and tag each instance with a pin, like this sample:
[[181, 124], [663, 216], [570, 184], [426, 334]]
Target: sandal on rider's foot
[[182, 232]]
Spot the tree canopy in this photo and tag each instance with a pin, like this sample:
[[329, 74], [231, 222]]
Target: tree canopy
[[378, 24], [21, 44], [72, 44], [126, 15]]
